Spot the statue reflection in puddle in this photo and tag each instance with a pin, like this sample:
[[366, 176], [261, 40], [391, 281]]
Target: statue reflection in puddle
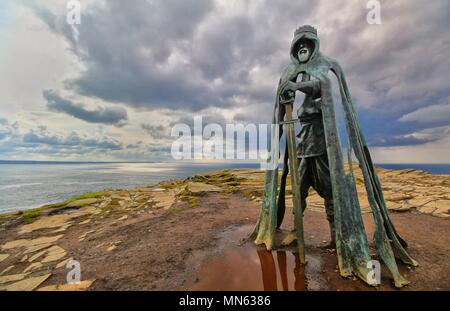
[[269, 273]]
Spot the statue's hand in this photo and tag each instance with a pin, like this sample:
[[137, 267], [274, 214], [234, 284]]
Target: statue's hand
[[289, 87]]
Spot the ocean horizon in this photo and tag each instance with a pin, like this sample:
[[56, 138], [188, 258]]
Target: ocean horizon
[[30, 184]]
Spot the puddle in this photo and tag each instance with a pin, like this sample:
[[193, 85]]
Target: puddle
[[251, 267]]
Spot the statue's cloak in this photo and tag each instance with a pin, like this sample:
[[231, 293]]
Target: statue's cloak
[[351, 242]]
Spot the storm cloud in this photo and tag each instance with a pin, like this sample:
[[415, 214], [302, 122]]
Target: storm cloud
[[156, 131], [73, 140], [186, 55], [106, 115], [229, 54], [151, 64]]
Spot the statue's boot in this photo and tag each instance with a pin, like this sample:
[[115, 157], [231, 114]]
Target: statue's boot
[[332, 244], [329, 208], [290, 239]]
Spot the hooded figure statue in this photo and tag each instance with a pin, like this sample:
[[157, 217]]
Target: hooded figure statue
[[321, 165]]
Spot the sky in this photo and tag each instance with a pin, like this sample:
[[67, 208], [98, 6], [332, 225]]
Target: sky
[[112, 87]]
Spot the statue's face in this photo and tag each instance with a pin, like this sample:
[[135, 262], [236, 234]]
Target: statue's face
[[304, 52]]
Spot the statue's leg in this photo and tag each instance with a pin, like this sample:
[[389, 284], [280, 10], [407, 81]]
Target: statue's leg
[[305, 184], [305, 179], [322, 184], [329, 209], [281, 203]]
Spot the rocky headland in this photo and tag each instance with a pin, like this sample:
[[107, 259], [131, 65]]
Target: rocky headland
[[158, 237]]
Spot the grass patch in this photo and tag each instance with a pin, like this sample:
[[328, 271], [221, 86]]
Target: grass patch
[[176, 210], [198, 178], [28, 216], [220, 178], [170, 184], [193, 202], [185, 193], [252, 193], [88, 195]]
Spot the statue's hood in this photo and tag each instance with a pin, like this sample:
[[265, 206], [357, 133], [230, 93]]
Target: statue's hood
[[304, 35]]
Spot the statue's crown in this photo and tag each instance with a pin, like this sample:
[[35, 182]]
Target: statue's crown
[[306, 28]]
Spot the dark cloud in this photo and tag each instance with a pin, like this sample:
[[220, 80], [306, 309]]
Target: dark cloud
[[159, 149], [135, 146], [163, 131], [7, 130], [156, 131], [433, 114], [106, 115], [128, 47], [167, 54], [206, 118], [74, 140], [42, 142]]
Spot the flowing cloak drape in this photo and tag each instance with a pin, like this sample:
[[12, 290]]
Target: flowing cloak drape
[[351, 242]]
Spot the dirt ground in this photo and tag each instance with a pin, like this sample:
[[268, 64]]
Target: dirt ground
[[171, 249]]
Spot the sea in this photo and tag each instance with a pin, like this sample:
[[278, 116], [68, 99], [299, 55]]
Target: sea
[[29, 184]]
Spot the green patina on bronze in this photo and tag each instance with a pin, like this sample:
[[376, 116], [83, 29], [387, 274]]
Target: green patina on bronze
[[351, 242]]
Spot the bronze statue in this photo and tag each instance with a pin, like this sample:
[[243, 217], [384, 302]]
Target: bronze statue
[[318, 162]]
